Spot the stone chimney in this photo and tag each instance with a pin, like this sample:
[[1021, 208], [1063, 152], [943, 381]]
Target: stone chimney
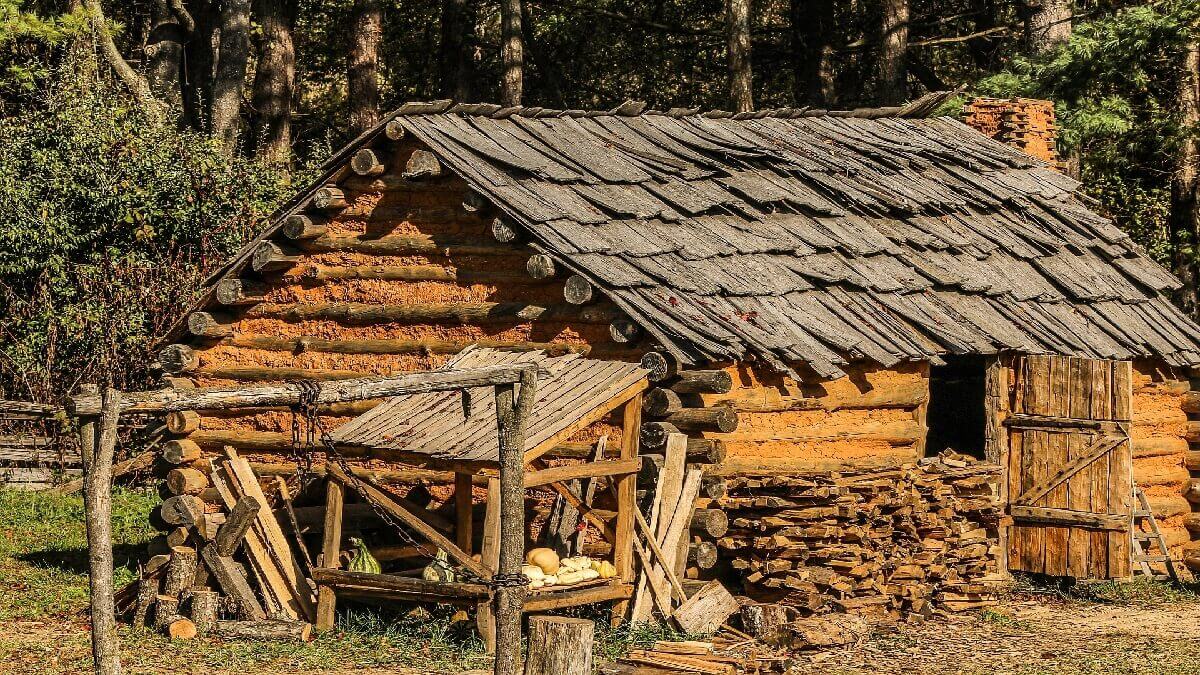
[[1026, 124]]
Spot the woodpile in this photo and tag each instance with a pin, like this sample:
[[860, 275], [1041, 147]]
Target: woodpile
[[1026, 124], [897, 541]]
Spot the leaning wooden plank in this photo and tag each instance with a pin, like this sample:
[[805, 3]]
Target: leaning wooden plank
[[705, 611], [278, 545], [270, 581], [666, 500], [233, 582], [385, 501], [676, 528]]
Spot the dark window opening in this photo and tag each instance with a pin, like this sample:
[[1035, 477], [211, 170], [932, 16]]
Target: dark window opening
[[956, 416]]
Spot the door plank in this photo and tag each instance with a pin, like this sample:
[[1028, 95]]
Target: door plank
[[1067, 517]]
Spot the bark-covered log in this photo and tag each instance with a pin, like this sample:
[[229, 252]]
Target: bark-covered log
[[241, 292], [660, 402], [503, 232], [540, 266], [578, 290], [183, 422], [702, 554], [300, 345], [182, 510], [178, 536], [271, 257], [180, 451], [473, 202], [366, 163], [147, 594], [186, 481], [624, 331], [717, 418], [559, 645], [301, 226], [654, 434], [329, 198], [394, 130], [204, 324], [264, 630], [710, 523], [204, 610], [463, 313], [407, 244], [166, 610], [422, 164], [713, 487], [233, 581], [703, 382], [662, 365], [174, 359]]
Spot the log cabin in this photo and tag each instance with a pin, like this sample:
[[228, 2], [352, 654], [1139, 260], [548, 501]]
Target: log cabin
[[911, 357]]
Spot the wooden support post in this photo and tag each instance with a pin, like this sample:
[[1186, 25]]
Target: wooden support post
[[463, 505], [489, 554], [512, 412], [335, 496], [97, 448], [631, 423]]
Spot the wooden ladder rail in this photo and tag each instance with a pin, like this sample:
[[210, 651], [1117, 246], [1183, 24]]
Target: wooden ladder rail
[[1142, 558]]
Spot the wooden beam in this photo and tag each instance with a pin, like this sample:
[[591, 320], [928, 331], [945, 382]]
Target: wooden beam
[[331, 553], [1093, 452], [626, 487], [426, 589], [288, 394], [562, 474], [593, 416], [1065, 517], [463, 510], [457, 313]]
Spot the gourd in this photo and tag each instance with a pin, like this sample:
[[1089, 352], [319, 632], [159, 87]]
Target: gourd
[[604, 568], [544, 558], [576, 563], [439, 569], [363, 561], [537, 578], [571, 578]]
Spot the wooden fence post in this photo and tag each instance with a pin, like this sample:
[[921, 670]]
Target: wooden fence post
[[509, 600], [97, 451]]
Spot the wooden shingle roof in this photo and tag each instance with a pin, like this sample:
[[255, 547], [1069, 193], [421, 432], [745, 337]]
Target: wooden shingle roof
[[800, 235], [572, 392]]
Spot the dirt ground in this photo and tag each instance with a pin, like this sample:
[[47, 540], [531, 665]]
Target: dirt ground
[[1020, 638]]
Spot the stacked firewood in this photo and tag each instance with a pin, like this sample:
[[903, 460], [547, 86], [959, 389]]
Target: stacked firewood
[[224, 554], [1026, 124], [898, 541]]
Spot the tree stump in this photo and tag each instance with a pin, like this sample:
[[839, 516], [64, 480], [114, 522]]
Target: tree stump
[[765, 621], [181, 571], [181, 628], [204, 610], [559, 646]]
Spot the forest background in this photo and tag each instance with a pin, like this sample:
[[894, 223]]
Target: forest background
[[143, 141]]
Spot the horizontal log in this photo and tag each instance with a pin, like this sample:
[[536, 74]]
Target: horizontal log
[[703, 382], [624, 331], [1191, 491], [365, 162], [1192, 522], [577, 290], [175, 359], [180, 451], [662, 365], [1191, 460], [473, 202], [503, 232], [1168, 506], [288, 394], [205, 325], [241, 292], [1192, 432], [711, 523], [329, 198], [300, 345], [703, 554], [1159, 473], [302, 226], [186, 481], [654, 434], [492, 275], [462, 313], [252, 374], [660, 402], [902, 432], [183, 422], [383, 476], [25, 409], [394, 130], [1159, 446], [340, 579], [774, 466], [540, 266], [271, 257], [771, 400], [1191, 402], [404, 245], [714, 487], [562, 474], [422, 164], [271, 630], [699, 450], [718, 418]]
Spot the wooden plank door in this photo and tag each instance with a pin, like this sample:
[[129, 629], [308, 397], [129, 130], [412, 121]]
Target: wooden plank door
[[1069, 467]]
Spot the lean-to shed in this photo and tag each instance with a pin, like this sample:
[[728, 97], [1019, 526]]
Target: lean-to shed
[[816, 293]]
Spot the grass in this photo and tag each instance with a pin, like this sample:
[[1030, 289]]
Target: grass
[[43, 584], [1138, 592]]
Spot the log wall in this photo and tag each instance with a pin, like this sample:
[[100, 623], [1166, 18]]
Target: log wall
[[872, 418], [1160, 446]]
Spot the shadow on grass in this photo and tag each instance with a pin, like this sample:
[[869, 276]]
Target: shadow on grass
[[75, 560]]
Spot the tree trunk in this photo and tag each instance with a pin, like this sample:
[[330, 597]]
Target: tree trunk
[[274, 81], [455, 58], [1184, 217], [132, 80], [512, 52], [231, 72], [812, 52], [1047, 24], [169, 28], [199, 64], [366, 29], [893, 53], [97, 446], [741, 79]]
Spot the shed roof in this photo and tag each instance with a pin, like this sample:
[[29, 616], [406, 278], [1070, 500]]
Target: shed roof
[[812, 236], [572, 392]]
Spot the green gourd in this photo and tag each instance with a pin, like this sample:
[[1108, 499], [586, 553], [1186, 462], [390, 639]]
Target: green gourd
[[439, 569], [363, 561]]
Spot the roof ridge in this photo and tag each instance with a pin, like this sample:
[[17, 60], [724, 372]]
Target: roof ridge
[[921, 107]]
